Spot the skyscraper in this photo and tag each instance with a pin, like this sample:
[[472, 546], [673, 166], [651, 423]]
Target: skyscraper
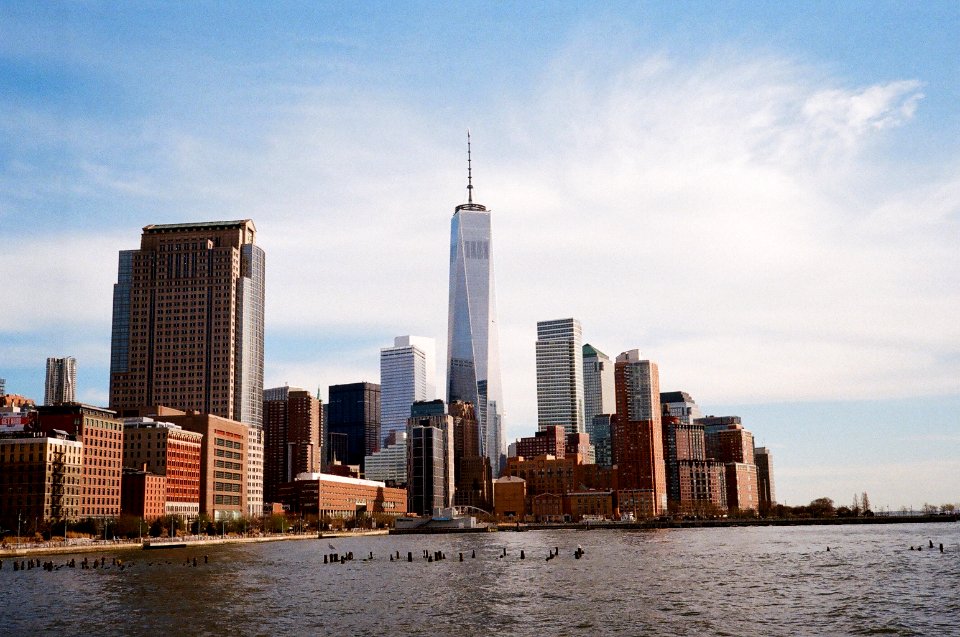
[[430, 452], [766, 494], [407, 374], [61, 385], [473, 342], [292, 433], [638, 437], [188, 328], [560, 375], [598, 386], [354, 410]]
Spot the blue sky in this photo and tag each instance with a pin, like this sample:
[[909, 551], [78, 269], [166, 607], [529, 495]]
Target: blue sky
[[763, 197]]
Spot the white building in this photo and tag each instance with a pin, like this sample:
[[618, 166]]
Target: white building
[[407, 374], [560, 375], [473, 340], [388, 465]]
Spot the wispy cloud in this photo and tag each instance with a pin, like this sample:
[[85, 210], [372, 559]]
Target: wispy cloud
[[723, 214]]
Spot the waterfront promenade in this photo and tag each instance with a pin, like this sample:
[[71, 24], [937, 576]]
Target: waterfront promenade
[[100, 546]]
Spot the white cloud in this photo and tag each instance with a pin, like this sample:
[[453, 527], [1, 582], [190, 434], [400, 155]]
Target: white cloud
[[723, 215]]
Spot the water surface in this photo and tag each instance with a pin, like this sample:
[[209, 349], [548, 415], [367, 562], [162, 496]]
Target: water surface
[[730, 581]]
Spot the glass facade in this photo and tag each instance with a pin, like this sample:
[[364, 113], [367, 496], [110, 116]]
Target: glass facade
[[560, 375], [406, 376], [473, 348]]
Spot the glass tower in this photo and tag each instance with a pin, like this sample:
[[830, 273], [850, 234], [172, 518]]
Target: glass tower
[[473, 347], [560, 375]]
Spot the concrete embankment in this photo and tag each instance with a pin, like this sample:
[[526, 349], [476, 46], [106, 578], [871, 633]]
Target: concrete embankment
[[58, 548]]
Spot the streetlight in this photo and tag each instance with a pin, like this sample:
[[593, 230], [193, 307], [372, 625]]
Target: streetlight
[[19, 513]]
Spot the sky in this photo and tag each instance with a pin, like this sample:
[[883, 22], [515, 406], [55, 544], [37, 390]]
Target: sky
[[762, 197]]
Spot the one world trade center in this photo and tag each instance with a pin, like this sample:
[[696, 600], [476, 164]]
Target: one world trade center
[[473, 340]]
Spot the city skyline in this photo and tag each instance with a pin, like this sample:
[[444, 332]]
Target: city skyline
[[761, 200]]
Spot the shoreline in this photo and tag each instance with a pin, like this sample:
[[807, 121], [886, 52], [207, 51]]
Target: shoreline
[[687, 524], [27, 550]]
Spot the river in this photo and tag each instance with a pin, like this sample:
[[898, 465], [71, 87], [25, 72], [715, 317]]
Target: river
[[726, 581]]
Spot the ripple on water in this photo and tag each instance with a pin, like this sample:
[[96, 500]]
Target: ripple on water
[[738, 581]]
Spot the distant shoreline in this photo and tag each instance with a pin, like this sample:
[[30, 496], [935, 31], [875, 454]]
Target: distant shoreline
[[690, 524], [28, 550]]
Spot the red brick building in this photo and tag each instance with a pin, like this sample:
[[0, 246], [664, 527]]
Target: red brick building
[[594, 504], [324, 494], [742, 491], [144, 494], [101, 434], [171, 451], [637, 437], [223, 462], [550, 441], [510, 498]]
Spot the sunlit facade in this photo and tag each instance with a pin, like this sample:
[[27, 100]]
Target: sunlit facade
[[473, 347]]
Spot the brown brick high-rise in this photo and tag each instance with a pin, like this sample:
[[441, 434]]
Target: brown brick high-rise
[[188, 327], [637, 437]]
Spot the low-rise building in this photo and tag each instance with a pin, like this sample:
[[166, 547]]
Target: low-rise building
[[169, 450], [144, 494], [590, 504], [324, 494], [41, 478], [510, 498], [101, 434]]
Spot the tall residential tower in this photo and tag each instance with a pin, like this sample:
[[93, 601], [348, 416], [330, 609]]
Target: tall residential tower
[[188, 328], [560, 375], [473, 342], [61, 385]]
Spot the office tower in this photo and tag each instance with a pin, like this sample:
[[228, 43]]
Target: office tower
[[354, 410], [223, 462], [3, 386], [61, 385], [188, 328], [473, 347], [473, 477], [407, 374], [681, 405], [638, 437], [430, 468], [765, 492], [560, 375], [292, 434], [171, 451], [599, 430], [389, 465], [598, 386], [101, 434]]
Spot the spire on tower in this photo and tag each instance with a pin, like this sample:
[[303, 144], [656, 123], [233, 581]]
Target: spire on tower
[[470, 205], [469, 171]]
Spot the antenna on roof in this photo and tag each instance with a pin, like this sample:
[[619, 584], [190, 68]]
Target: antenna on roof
[[469, 171]]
